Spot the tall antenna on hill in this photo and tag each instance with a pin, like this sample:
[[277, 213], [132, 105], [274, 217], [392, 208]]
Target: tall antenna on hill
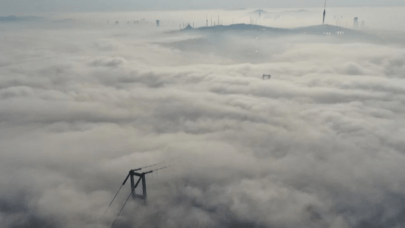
[[324, 13]]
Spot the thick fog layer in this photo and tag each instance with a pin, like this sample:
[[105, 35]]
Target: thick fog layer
[[84, 99]]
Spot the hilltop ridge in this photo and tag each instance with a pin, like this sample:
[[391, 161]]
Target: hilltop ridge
[[315, 30]]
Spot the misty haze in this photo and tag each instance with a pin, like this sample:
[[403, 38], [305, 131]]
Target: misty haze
[[250, 115]]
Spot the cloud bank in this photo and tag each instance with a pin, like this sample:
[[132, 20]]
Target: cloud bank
[[318, 145]]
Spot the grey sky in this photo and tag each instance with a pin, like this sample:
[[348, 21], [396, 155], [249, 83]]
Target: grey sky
[[24, 6]]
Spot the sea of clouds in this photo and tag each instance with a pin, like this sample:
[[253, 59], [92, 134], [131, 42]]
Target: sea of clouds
[[83, 101]]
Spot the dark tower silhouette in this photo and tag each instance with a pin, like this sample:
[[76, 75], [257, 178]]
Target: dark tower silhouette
[[131, 175], [324, 13], [134, 185]]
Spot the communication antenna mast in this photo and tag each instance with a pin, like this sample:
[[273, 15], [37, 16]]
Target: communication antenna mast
[[324, 13]]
